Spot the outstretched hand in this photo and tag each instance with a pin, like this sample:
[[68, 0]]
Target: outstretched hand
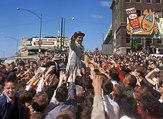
[[96, 82]]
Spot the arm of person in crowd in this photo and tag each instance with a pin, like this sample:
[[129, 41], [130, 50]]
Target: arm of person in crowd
[[155, 93], [53, 102], [115, 65], [148, 76], [72, 43], [98, 108], [86, 61], [34, 78], [49, 76], [100, 69], [49, 70], [72, 89], [33, 81], [53, 99]]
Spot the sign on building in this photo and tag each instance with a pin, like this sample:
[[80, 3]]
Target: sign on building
[[147, 22], [133, 20]]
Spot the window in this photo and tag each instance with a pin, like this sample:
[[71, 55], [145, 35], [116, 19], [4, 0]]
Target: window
[[159, 41], [138, 1], [128, 1], [149, 1], [139, 12], [128, 40], [159, 13], [158, 1]]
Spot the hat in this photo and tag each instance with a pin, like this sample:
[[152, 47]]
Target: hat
[[78, 33], [56, 58]]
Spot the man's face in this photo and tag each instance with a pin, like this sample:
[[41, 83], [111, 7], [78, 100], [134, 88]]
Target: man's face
[[10, 89], [79, 39]]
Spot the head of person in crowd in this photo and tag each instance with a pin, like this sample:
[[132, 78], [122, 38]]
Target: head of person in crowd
[[78, 37], [33, 64], [128, 107], [21, 64], [10, 85], [117, 92], [114, 75], [50, 89], [80, 93], [87, 107], [140, 92], [40, 101], [83, 69], [107, 85], [65, 115], [140, 72], [62, 93], [36, 115], [130, 81], [151, 108], [152, 64], [26, 98], [87, 82]]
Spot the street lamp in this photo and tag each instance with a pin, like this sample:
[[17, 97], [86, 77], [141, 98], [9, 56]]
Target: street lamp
[[40, 18], [63, 30], [15, 40]]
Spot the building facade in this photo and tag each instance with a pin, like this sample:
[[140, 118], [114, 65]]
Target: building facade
[[121, 41]]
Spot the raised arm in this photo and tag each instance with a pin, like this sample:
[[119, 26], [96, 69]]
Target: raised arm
[[98, 108]]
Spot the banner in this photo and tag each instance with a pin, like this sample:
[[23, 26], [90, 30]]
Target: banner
[[133, 20], [147, 22]]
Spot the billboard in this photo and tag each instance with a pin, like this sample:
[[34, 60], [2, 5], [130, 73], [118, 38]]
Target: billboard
[[133, 20], [45, 41], [148, 24]]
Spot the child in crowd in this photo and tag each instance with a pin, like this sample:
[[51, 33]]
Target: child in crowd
[[10, 105]]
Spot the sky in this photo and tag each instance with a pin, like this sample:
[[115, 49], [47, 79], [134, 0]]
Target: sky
[[93, 17]]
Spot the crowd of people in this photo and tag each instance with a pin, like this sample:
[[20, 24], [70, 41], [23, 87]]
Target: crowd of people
[[92, 86]]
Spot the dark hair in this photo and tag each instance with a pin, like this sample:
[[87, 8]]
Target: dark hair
[[78, 33], [65, 115], [2, 80], [87, 82], [26, 96], [151, 106], [131, 79], [79, 93], [128, 106], [62, 93], [87, 108], [11, 78], [141, 92], [40, 101], [50, 90], [48, 64], [114, 74], [142, 70], [36, 115], [107, 86], [21, 63]]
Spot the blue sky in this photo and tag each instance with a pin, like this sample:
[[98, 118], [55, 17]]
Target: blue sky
[[93, 17]]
